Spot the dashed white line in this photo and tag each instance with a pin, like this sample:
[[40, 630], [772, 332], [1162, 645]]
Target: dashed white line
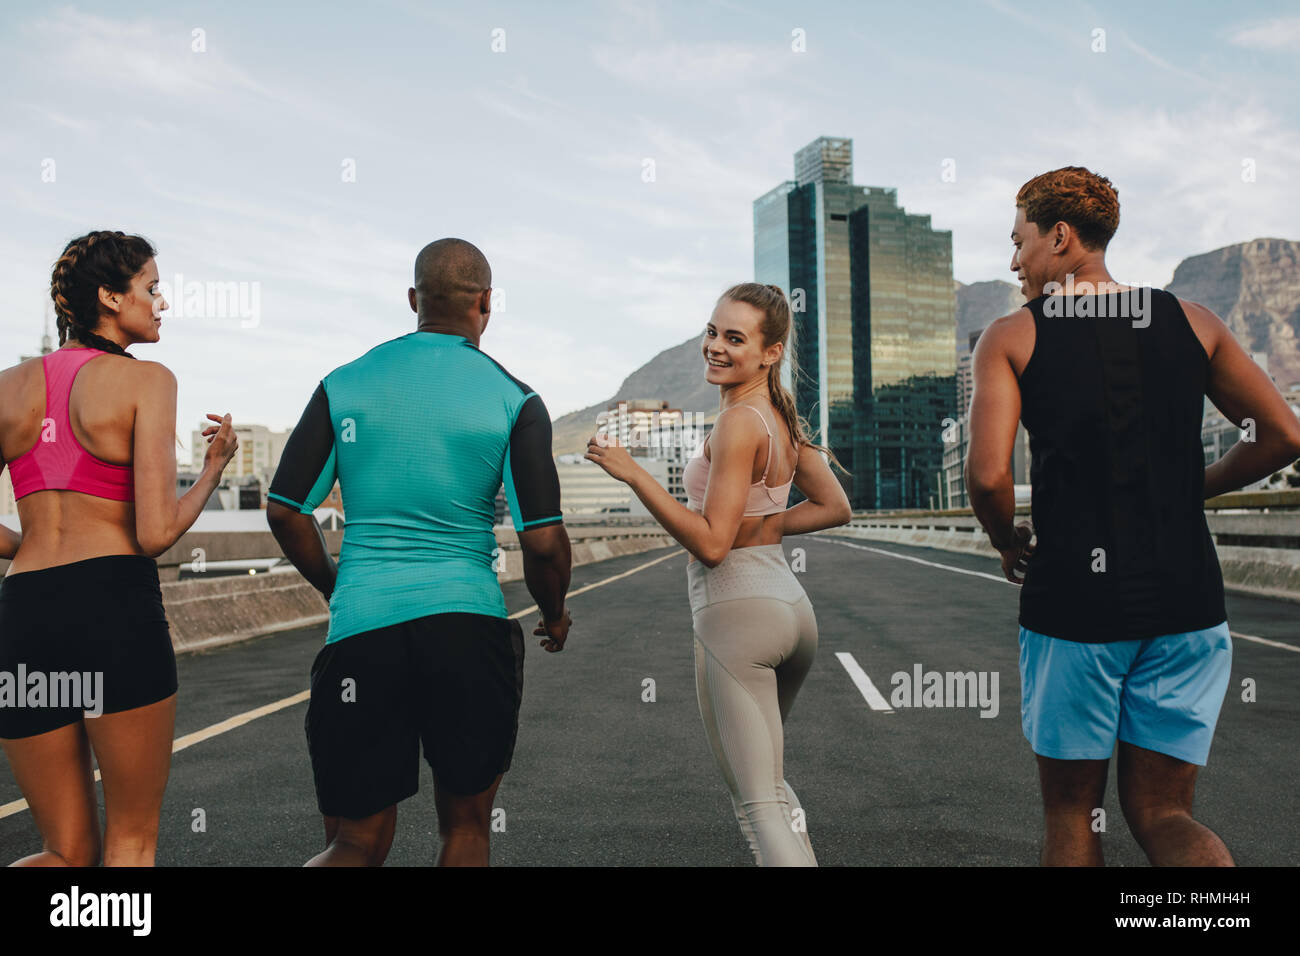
[[875, 700]]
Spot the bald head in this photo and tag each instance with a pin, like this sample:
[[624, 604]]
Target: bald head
[[450, 275]]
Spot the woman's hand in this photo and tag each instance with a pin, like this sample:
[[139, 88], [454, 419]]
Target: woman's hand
[[605, 451], [222, 442], [9, 542]]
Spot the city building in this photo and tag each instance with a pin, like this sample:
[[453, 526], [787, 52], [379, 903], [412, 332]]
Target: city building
[[952, 489], [660, 438], [874, 305]]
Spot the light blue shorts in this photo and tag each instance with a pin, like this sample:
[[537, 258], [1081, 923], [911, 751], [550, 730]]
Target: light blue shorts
[[1162, 694]]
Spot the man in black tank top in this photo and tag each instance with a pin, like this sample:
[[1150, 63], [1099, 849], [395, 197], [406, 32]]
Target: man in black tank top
[[1123, 633]]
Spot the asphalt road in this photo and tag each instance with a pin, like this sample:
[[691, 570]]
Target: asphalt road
[[601, 777]]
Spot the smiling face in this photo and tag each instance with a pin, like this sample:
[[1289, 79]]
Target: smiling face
[[733, 345], [1032, 260], [136, 311]]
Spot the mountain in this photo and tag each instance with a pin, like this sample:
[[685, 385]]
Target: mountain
[[979, 303], [1255, 288], [675, 374]]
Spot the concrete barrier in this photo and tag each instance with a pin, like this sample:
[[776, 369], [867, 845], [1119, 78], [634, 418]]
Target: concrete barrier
[[214, 612], [1251, 569]]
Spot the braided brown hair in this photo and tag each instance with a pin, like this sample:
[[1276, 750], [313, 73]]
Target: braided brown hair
[[101, 259], [776, 326]]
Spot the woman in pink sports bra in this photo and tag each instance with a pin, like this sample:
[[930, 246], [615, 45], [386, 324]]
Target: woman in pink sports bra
[[755, 631], [86, 433]]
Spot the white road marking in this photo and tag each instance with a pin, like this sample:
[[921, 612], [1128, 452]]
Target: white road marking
[[1265, 640], [597, 584], [875, 700], [933, 564]]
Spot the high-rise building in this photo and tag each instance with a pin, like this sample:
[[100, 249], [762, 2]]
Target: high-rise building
[[874, 323]]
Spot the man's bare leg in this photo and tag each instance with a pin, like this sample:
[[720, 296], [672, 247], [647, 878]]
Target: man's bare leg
[[357, 842], [1072, 790], [463, 823], [1156, 792]]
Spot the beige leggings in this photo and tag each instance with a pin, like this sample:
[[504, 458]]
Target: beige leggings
[[755, 640]]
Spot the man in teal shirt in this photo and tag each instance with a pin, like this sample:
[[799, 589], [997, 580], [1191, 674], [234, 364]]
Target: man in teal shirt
[[421, 432]]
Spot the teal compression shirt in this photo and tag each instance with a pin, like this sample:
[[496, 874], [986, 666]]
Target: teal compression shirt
[[421, 432]]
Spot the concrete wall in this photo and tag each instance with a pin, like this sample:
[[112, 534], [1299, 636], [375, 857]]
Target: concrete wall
[[1251, 563], [222, 610]]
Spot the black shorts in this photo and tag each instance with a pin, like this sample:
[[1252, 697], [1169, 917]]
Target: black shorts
[[96, 634], [451, 681]]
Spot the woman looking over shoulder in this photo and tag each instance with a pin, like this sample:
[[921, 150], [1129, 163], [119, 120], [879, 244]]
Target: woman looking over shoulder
[[87, 433], [755, 631]]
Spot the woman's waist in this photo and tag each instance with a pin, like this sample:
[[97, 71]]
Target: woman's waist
[[753, 571], [102, 569]]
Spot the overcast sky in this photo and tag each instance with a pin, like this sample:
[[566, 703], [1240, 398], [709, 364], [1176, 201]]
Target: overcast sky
[[310, 157]]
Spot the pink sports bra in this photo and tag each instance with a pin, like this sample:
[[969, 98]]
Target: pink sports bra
[[762, 500], [57, 460]]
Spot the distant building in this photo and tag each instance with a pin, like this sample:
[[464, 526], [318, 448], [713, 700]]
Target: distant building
[[954, 491], [874, 322], [247, 476], [966, 376], [1218, 435], [662, 439]]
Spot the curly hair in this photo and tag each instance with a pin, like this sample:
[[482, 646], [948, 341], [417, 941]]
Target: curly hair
[[101, 259], [776, 326], [1072, 194]]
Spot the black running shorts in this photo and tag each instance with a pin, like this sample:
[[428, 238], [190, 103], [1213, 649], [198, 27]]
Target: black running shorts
[[82, 639], [452, 682]]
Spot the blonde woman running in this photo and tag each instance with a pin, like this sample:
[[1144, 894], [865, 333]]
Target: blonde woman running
[[755, 631]]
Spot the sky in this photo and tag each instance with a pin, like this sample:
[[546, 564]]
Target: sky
[[604, 156]]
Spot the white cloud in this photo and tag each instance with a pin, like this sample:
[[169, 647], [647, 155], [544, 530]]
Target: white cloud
[[692, 67], [1282, 33], [1163, 64], [123, 60], [1178, 174]]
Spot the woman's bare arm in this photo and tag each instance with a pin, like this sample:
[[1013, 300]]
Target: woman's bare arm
[[160, 517], [9, 538], [733, 444], [827, 506]]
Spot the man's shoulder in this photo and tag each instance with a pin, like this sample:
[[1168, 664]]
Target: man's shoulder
[[365, 362], [1017, 321], [513, 383], [486, 372], [1006, 331]]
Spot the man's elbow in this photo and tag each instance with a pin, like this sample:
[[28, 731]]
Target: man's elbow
[[279, 517], [548, 545], [982, 481], [1293, 444]]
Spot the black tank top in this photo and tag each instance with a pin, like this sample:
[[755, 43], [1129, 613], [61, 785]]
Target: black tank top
[[1114, 413]]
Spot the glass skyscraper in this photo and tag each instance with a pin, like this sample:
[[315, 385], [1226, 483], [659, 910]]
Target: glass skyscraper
[[874, 323]]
